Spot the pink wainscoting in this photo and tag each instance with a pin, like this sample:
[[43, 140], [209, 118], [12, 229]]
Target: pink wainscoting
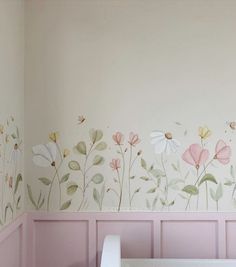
[[75, 239], [13, 244]]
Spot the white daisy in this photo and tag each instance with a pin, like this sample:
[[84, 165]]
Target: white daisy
[[164, 142], [45, 155]]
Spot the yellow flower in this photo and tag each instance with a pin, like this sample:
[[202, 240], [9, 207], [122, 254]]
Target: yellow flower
[[204, 132], [1, 129], [66, 152], [54, 136]]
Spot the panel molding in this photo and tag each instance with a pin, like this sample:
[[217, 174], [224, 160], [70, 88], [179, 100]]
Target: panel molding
[[224, 232], [156, 218], [19, 224]]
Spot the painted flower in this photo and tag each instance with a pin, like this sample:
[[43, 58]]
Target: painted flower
[[164, 142], [133, 139], [195, 155], [115, 164], [204, 132], [54, 136], [118, 137], [223, 152], [232, 125], [66, 152], [45, 155]]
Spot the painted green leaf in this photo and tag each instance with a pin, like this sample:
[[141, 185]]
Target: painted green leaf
[[18, 180], [81, 148], [174, 167], [101, 146], [96, 196], [232, 172], [31, 196], [190, 189], [137, 190], [219, 192], [66, 205], [207, 177], [74, 165], [45, 180], [95, 135], [98, 160], [1, 222], [213, 195], [13, 135], [152, 190], [39, 198], [18, 203], [157, 173], [145, 178], [143, 163], [8, 207], [132, 177], [174, 182], [103, 191], [64, 178], [72, 188], [151, 168], [98, 178], [148, 204], [163, 202], [229, 182], [17, 132], [41, 204]]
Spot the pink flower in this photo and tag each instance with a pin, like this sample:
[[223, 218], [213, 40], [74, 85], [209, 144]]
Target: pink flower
[[115, 164], [223, 152], [118, 137], [133, 139], [195, 155]]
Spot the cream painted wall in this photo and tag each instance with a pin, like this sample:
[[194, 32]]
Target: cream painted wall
[[130, 66], [11, 108]]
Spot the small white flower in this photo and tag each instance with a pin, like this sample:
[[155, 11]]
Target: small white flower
[[164, 142], [45, 155]]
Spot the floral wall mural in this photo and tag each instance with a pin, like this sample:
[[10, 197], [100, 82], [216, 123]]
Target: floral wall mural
[[12, 188], [181, 176], [12, 196], [156, 130]]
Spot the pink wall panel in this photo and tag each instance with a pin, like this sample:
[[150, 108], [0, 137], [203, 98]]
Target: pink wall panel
[[11, 249], [189, 239], [61, 243], [231, 239], [136, 237]]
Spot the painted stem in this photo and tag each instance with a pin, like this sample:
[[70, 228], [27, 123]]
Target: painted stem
[[50, 187], [129, 175], [59, 185], [198, 180], [167, 183], [121, 190], [122, 178], [84, 172], [206, 195]]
